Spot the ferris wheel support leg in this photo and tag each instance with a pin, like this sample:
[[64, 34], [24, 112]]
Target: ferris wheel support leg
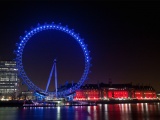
[[50, 76], [55, 77]]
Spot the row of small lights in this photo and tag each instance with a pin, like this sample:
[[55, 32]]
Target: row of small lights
[[53, 26], [115, 98]]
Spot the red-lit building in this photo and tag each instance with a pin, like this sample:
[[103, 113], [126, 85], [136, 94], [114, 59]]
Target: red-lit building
[[143, 92], [88, 92], [114, 91]]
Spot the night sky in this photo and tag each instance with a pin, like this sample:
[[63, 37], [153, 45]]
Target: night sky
[[123, 39]]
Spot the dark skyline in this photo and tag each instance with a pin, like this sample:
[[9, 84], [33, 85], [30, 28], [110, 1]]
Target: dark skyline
[[123, 38]]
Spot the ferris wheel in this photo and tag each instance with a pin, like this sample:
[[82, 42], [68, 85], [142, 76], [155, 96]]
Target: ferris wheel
[[45, 27]]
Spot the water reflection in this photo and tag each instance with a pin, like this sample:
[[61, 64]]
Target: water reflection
[[7, 113], [58, 113], [139, 111]]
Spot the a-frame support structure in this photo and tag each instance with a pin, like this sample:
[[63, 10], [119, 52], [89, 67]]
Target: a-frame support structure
[[54, 69]]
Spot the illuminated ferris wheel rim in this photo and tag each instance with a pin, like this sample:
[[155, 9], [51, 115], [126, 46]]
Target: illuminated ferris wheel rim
[[38, 29]]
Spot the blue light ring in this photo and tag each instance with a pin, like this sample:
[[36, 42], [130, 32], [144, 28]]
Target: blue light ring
[[63, 29]]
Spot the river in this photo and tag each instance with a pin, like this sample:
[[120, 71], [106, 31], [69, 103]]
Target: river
[[137, 111]]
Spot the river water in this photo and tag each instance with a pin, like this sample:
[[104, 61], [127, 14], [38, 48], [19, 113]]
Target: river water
[[137, 111]]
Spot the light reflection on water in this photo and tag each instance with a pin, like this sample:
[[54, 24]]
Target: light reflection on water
[[137, 111]]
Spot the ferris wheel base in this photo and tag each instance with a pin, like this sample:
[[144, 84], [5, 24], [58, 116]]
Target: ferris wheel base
[[50, 97]]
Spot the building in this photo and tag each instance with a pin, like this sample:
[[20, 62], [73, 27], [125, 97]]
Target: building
[[8, 80], [158, 95], [25, 95], [114, 91]]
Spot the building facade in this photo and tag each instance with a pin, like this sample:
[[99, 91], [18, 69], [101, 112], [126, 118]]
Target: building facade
[[8, 80], [114, 91]]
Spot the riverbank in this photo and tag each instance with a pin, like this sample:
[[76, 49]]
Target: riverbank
[[126, 101], [29, 103], [13, 103]]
